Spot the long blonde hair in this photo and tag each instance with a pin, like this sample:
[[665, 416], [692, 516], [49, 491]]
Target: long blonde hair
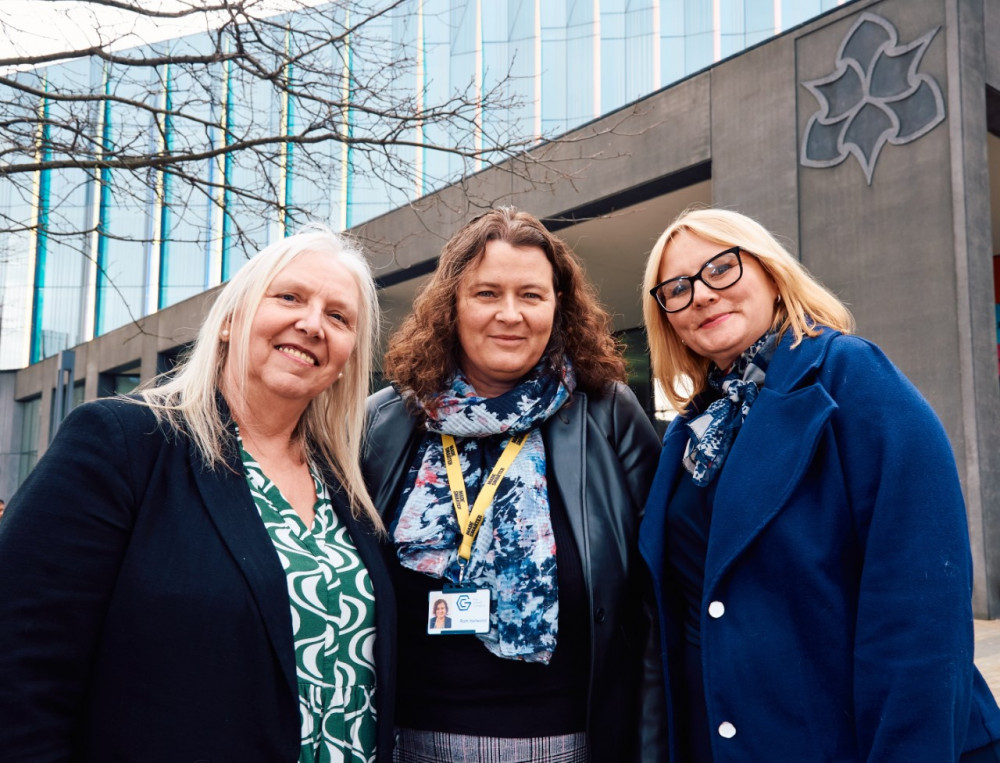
[[805, 303], [331, 428]]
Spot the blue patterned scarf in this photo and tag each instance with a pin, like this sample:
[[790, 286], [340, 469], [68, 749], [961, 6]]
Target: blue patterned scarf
[[713, 432], [514, 554]]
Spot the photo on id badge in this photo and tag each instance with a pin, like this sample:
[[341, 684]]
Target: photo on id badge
[[458, 611]]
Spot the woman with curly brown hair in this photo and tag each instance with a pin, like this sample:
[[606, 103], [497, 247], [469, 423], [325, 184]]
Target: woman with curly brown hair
[[510, 462]]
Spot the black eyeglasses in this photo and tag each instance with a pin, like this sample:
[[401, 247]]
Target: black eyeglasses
[[720, 272]]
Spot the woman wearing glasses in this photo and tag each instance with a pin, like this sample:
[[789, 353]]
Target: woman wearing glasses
[[805, 530]]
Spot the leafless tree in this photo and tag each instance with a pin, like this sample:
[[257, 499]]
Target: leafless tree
[[214, 115]]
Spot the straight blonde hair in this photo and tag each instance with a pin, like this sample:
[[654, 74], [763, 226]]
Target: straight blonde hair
[[331, 428], [805, 305]]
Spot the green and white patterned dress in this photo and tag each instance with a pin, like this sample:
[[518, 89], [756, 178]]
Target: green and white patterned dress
[[333, 623]]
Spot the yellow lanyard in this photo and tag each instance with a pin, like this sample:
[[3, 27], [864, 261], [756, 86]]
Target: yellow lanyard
[[469, 523]]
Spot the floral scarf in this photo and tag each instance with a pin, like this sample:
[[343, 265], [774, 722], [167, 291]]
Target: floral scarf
[[514, 554], [712, 433]]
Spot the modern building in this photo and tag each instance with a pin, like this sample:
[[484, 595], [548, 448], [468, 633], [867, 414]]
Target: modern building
[[866, 134]]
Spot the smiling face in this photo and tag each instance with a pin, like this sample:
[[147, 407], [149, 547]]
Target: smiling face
[[506, 307], [301, 336], [440, 610], [718, 325]]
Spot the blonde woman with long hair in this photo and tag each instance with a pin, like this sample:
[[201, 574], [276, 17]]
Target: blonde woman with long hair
[[805, 530], [192, 573]]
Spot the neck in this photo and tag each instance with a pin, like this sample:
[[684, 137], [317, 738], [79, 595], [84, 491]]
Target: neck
[[265, 427], [488, 387]]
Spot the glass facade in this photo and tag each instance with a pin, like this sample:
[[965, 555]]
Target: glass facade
[[90, 250]]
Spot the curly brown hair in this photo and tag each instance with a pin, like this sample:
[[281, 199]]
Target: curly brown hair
[[423, 353]]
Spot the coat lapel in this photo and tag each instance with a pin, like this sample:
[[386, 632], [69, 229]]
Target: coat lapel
[[229, 504], [763, 468], [771, 452], [386, 463], [565, 438], [769, 457]]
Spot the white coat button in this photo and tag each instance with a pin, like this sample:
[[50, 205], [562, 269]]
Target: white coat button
[[716, 609], [727, 730]]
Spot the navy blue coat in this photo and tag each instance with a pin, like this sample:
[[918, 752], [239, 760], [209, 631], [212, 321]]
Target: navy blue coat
[[836, 622], [144, 613]]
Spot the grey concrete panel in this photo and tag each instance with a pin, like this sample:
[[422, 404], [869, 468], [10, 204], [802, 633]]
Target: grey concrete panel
[[991, 27], [887, 248], [660, 135], [910, 252], [976, 299], [754, 167], [31, 380]]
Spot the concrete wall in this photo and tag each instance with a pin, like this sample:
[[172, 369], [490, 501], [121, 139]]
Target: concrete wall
[[910, 252]]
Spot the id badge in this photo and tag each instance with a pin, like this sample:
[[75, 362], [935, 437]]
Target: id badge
[[458, 609]]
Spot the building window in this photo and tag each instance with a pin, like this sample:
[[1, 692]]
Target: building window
[[167, 360], [120, 381], [30, 411]]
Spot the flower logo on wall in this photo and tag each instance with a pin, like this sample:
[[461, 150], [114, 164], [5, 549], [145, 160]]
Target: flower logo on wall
[[874, 96]]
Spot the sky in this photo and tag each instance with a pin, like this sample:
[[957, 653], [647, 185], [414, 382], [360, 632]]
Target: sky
[[34, 27]]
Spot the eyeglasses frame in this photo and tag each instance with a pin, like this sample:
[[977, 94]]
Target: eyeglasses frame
[[697, 277]]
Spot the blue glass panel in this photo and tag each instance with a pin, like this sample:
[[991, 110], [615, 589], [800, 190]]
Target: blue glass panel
[[381, 178], [254, 180], [759, 20], [438, 36], [65, 264], [613, 50], [555, 67], [519, 51], [732, 27], [188, 230], [794, 12], [581, 34], [672, 17], [639, 59]]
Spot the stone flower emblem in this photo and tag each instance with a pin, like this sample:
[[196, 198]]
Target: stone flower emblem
[[874, 96]]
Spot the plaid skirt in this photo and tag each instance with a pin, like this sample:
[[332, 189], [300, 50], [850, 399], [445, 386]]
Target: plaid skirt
[[415, 746]]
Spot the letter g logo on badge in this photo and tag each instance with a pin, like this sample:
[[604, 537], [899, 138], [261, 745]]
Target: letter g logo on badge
[[463, 602]]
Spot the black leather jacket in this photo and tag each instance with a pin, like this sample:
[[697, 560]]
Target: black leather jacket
[[603, 452]]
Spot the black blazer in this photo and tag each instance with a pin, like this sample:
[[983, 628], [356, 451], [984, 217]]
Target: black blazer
[[144, 613]]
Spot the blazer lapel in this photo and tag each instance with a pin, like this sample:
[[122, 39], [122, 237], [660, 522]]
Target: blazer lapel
[[565, 438], [386, 463], [230, 506]]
